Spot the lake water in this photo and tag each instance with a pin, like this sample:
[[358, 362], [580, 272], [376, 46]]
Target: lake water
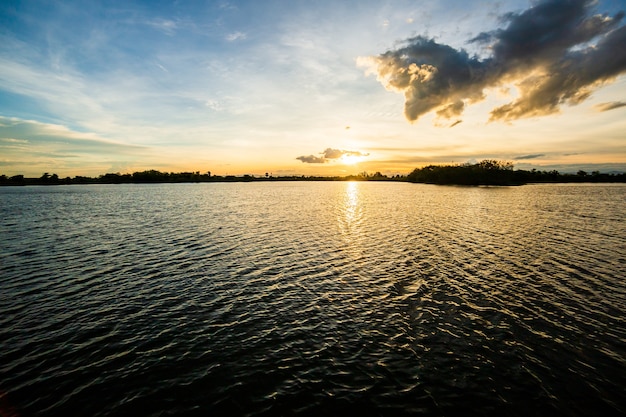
[[313, 298]]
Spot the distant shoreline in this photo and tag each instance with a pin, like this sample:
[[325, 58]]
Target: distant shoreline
[[487, 172], [563, 179]]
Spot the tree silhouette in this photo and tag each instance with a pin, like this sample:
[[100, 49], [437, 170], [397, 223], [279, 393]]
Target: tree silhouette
[[487, 172]]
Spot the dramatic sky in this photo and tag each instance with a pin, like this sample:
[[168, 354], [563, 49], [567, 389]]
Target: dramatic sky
[[310, 87]]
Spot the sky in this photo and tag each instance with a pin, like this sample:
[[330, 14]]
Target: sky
[[321, 87]]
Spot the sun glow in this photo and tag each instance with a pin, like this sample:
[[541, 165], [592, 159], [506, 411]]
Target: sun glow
[[351, 159]]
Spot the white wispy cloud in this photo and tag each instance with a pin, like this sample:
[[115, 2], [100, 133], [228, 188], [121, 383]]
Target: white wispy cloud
[[236, 36], [602, 107], [52, 147], [166, 26], [15, 130]]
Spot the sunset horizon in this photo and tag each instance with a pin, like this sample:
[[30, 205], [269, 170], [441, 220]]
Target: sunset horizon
[[333, 89]]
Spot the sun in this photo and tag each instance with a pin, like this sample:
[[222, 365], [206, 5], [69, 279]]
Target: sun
[[351, 159]]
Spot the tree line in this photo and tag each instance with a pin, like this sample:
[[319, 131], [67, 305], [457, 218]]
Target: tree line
[[154, 176], [493, 172], [486, 172]]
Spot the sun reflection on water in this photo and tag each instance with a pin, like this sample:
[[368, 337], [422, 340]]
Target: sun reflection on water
[[351, 201], [350, 213]]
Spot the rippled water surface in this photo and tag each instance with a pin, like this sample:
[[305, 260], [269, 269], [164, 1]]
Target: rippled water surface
[[310, 298]]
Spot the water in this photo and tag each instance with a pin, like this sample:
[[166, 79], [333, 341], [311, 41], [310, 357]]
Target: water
[[313, 299]]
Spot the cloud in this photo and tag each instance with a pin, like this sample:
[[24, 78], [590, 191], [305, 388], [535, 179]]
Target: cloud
[[235, 36], [214, 105], [13, 140], [532, 156], [30, 147], [451, 110], [18, 131], [328, 155], [166, 26], [556, 53], [30, 144], [610, 106], [312, 159]]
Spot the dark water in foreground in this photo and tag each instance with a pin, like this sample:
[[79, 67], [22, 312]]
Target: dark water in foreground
[[313, 299]]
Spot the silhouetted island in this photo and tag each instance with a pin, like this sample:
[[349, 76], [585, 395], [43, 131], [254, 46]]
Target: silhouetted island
[[487, 172]]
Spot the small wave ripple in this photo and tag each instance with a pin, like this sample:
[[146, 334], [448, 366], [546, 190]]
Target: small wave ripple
[[312, 298]]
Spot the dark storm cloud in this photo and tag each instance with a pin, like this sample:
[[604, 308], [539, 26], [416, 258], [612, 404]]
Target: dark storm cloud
[[328, 155], [432, 76], [610, 106], [545, 31], [556, 53]]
